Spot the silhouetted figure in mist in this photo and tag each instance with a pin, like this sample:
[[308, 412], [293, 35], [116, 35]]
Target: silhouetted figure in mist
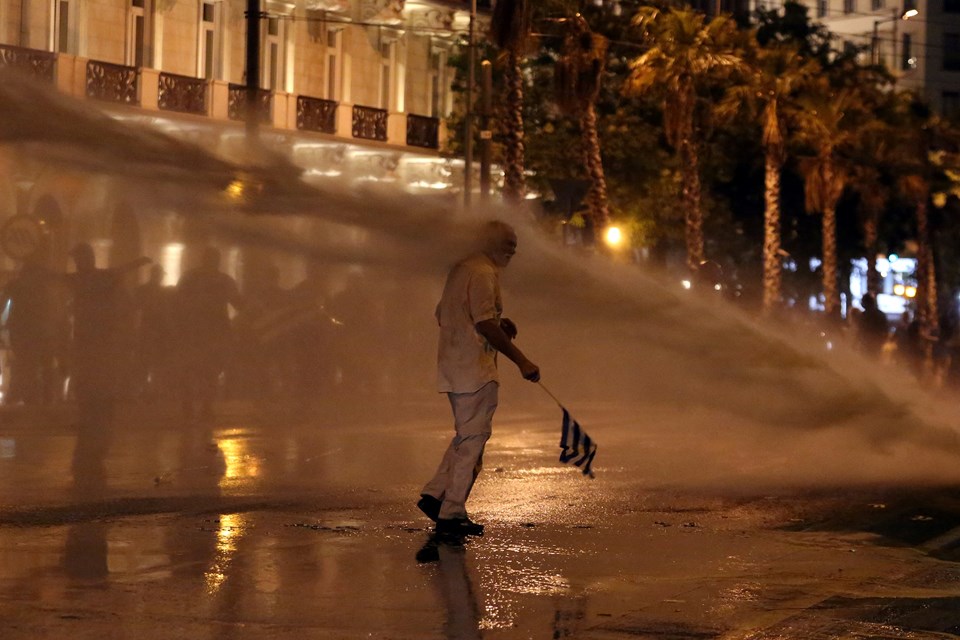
[[946, 346], [97, 297], [311, 330], [472, 332], [204, 295], [916, 343], [904, 339], [357, 355], [34, 324], [264, 344], [155, 324], [872, 327], [709, 276]]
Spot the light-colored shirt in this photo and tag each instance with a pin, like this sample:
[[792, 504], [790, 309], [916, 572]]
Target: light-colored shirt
[[465, 360]]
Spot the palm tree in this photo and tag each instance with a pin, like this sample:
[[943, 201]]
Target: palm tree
[[827, 126], [867, 179], [579, 73], [916, 136], [916, 187], [870, 153], [510, 31], [766, 93], [684, 52]]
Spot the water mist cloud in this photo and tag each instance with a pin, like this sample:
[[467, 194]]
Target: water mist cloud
[[637, 357]]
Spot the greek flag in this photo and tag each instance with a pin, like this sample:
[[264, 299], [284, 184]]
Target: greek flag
[[576, 446]]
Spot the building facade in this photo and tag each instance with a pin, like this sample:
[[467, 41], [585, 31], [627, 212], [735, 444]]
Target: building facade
[[919, 40], [98, 98], [350, 90], [376, 54]]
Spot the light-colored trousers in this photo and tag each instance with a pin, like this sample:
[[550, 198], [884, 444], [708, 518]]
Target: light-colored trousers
[[473, 421]]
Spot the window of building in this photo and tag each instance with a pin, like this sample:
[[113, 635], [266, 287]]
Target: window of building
[[907, 60], [849, 6], [951, 103], [876, 5], [333, 55], [62, 29], [822, 8], [136, 33], [388, 53], [273, 74], [951, 52], [438, 83], [208, 50]]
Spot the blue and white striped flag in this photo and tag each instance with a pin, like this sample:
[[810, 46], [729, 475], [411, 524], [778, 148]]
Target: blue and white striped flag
[[576, 446]]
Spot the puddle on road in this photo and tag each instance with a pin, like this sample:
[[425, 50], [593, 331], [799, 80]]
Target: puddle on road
[[250, 566], [661, 630]]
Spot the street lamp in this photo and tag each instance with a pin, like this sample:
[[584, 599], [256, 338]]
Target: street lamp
[[252, 69], [613, 237], [909, 11], [468, 117]]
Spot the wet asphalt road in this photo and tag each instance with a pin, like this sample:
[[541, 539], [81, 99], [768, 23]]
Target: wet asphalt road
[[305, 528]]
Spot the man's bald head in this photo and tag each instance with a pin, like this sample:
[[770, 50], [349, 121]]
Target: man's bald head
[[499, 241]]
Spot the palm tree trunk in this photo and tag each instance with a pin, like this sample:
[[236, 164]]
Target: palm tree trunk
[[934, 313], [772, 275], [927, 312], [831, 292], [870, 240], [690, 167], [593, 160], [514, 182]]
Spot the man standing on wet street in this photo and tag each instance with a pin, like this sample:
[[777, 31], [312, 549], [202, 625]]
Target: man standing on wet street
[[471, 334], [97, 327], [204, 296]]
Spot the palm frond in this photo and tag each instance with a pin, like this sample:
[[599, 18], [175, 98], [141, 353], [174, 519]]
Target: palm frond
[[579, 71]]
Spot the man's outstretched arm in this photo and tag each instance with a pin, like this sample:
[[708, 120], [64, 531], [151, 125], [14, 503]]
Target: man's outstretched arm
[[491, 330]]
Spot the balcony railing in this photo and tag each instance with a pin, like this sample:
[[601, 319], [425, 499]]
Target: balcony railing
[[237, 103], [112, 82], [154, 90], [423, 131], [182, 93], [369, 123], [38, 64], [314, 114]]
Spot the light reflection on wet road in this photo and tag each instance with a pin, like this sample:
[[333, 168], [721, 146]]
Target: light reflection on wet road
[[303, 532]]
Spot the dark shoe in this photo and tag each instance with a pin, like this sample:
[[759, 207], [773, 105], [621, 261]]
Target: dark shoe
[[459, 527], [430, 506]]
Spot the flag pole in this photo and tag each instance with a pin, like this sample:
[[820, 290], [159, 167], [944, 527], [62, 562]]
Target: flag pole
[[559, 404]]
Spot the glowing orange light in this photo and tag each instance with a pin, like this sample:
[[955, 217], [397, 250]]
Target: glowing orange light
[[613, 236]]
